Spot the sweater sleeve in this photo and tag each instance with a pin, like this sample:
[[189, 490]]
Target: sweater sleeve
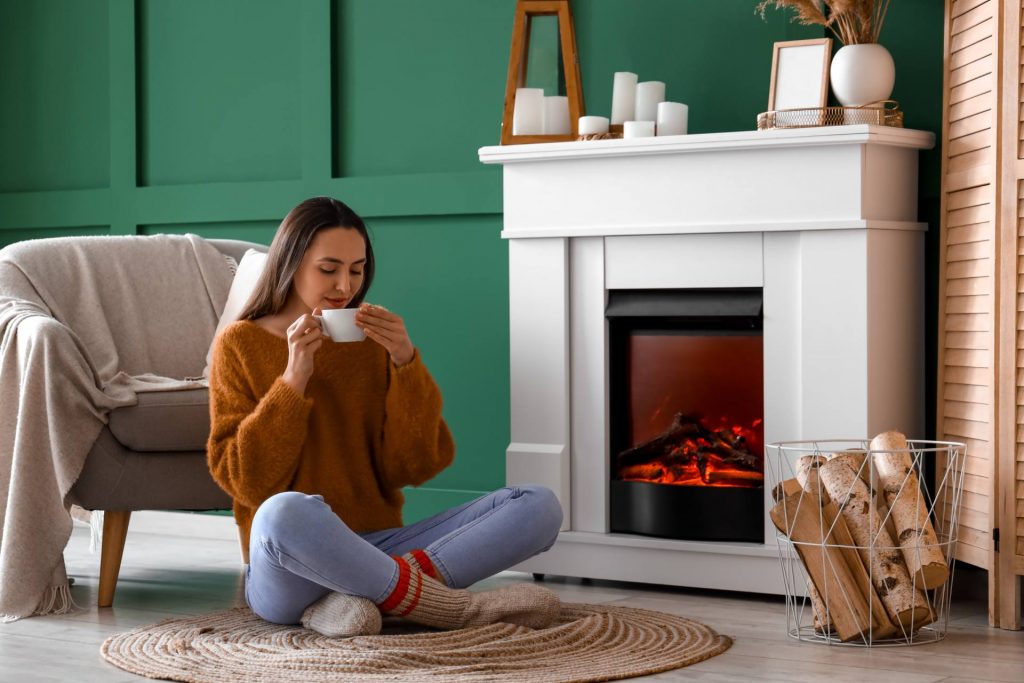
[[417, 443], [255, 444]]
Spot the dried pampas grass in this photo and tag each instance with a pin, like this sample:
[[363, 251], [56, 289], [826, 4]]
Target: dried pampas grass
[[852, 21]]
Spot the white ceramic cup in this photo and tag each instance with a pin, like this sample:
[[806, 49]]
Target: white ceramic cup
[[340, 324]]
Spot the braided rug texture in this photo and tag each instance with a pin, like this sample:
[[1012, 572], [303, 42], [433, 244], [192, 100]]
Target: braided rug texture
[[588, 643]]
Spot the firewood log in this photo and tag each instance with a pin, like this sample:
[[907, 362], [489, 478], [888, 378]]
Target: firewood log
[[909, 510], [906, 606], [785, 488], [822, 618], [799, 517], [856, 459], [807, 473], [839, 535]]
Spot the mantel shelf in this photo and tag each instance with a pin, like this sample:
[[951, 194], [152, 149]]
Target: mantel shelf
[[681, 144], [807, 179]]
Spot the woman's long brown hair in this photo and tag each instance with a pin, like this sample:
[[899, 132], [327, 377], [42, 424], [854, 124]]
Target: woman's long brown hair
[[290, 243]]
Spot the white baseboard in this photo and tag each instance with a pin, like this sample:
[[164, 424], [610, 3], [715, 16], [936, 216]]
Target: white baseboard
[[190, 524], [187, 524]]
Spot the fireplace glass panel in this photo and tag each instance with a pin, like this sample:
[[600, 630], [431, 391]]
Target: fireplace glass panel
[[714, 383], [687, 407]]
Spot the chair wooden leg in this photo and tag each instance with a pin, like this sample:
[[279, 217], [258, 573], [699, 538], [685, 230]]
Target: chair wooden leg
[[115, 528]]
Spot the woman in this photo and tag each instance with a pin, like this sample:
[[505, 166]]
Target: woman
[[314, 441]]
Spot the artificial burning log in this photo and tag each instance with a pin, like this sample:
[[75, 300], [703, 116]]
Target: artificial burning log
[[734, 477], [914, 531], [642, 472], [687, 442], [682, 429], [905, 605], [799, 517]]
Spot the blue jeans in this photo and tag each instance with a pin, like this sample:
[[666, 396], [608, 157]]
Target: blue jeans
[[299, 550]]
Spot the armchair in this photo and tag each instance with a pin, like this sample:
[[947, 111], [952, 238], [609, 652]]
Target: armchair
[[150, 456]]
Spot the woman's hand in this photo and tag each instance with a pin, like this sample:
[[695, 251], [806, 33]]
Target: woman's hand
[[388, 330], [304, 338]]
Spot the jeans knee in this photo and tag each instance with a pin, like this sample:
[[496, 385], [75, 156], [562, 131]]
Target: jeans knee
[[547, 510], [284, 513]]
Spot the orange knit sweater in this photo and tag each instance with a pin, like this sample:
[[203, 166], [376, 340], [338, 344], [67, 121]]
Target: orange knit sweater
[[365, 428]]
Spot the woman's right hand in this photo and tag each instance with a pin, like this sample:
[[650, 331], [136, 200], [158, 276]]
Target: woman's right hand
[[304, 338]]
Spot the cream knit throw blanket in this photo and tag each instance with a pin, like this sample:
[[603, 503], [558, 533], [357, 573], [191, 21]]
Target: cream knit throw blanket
[[85, 324]]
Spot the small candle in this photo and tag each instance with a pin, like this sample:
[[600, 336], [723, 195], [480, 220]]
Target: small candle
[[648, 95], [556, 115], [592, 125], [528, 114], [638, 129], [672, 118], [623, 96]]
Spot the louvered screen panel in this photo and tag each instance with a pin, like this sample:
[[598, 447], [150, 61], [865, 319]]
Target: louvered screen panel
[[967, 285], [1018, 483]]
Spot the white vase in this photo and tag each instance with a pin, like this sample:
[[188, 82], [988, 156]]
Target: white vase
[[862, 74]]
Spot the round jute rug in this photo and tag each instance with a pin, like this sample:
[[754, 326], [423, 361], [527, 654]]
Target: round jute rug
[[588, 643]]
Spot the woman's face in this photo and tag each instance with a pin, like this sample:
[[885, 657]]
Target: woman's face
[[331, 271]]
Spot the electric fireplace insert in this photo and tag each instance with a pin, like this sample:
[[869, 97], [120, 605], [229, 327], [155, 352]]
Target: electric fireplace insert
[[686, 413]]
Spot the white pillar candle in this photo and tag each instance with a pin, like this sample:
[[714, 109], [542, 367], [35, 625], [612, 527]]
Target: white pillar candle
[[672, 118], [623, 96], [648, 95], [638, 129], [556, 115], [528, 114], [592, 125]]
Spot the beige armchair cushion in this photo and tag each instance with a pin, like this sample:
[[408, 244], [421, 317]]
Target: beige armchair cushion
[[164, 421]]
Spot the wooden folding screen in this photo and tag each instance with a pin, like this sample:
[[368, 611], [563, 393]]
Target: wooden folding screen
[[981, 287]]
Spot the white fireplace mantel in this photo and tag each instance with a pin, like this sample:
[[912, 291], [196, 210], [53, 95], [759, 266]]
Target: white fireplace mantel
[[823, 219]]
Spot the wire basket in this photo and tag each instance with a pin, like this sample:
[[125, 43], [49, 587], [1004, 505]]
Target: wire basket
[[885, 113], [866, 550]]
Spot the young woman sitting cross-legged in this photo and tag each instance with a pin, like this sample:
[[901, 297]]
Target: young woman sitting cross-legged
[[314, 439]]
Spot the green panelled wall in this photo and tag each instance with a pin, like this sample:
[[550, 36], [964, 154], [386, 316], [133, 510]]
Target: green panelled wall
[[217, 116]]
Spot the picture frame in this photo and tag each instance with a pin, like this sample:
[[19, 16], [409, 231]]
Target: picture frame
[[799, 77]]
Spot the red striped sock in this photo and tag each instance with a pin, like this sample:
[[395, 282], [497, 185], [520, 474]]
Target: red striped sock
[[406, 593], [419, 558]]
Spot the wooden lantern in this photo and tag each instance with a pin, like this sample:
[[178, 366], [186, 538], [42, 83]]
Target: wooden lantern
[[517, 65]]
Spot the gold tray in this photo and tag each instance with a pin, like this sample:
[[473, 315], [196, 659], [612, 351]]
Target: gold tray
[[885, 113]]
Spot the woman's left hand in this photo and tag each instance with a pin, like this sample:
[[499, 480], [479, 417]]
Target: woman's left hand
[[388, 330]]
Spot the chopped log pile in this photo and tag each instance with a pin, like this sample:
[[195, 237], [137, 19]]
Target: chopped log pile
[[689, 452], [869, 547]]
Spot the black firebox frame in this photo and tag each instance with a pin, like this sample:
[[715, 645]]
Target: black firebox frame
[[702, 513]]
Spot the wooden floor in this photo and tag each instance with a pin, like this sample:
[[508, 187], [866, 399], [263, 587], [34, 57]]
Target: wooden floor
[[164, 576]]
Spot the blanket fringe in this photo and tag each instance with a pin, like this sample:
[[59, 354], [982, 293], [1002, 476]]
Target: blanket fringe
[[56, 600], [95, 530]]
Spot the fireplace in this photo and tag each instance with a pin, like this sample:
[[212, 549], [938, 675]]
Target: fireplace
[[687, 413], [801, 242]]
